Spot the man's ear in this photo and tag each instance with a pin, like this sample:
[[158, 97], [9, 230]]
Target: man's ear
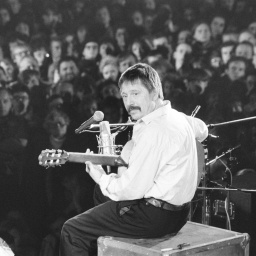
[[155, 95]]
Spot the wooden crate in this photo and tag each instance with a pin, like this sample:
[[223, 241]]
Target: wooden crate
[[202, 240]]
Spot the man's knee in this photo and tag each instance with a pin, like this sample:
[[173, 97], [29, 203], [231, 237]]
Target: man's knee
[[67, 228]]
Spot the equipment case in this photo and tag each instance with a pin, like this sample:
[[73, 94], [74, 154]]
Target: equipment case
[[193, 239]]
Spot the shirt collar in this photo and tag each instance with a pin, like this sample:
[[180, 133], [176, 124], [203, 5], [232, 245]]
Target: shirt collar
[[161, 111]]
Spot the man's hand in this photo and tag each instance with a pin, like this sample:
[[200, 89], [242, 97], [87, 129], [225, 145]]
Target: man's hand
[[95, 171]]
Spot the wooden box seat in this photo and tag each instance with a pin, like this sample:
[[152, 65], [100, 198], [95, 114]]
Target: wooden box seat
[[193, 239]]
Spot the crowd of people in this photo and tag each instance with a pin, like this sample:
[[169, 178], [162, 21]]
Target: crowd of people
[[60, 61]]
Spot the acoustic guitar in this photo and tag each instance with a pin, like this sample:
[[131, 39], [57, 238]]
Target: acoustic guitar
[[51, 158], [56, 157]]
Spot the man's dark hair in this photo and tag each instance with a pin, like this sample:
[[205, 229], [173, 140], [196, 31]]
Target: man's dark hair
[[244, 43], [146, 74], [5, 89], [237, 58], [56, 38], [125, 55], [110, 102], [20, 88], [227, 44], [198, 74], [38, 42], [27, 74], [67, 59]]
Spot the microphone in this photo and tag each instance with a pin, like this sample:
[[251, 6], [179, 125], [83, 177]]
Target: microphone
[[213, 136], [106, 140], [97, 117], [195, 110]]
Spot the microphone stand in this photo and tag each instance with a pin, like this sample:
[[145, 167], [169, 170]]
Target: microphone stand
[[228, 179], [227, 189], [106, 139], [223, 154], [113, 125], [206, 208], [232, 122]]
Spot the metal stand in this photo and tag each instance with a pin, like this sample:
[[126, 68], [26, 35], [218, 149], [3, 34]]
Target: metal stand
[[228, 179], [206, 208]]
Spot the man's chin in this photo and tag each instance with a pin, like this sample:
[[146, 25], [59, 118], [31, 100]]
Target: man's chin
[[69, 78], [135, 116]]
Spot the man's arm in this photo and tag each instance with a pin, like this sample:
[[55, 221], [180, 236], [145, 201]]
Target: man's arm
[[143, 166], [199, 127]]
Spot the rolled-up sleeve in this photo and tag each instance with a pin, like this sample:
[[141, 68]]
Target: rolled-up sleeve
[[199, 127]]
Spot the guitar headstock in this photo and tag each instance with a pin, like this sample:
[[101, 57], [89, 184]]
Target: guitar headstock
[[52, 157]]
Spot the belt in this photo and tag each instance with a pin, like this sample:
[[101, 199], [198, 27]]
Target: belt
[[165, 205]]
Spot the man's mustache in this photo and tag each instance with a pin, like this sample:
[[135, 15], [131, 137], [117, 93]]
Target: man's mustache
[[130, 108]]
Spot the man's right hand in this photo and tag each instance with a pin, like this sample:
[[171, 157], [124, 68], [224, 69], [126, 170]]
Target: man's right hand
[[95, 171]]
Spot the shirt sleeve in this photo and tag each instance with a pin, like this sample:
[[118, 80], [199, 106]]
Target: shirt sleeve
[[139, 177], [199, 127]]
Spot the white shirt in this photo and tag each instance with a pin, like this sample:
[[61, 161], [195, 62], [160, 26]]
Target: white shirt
[[163, 162]]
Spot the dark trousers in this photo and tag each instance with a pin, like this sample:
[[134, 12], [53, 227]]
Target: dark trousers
[[130, 219]]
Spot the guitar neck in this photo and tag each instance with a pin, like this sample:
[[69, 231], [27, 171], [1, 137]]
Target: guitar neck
[[110, 160]]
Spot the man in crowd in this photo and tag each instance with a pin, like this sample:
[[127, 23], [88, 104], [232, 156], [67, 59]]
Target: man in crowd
[[68, 69]]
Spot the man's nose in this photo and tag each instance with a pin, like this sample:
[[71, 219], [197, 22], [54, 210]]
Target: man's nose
[[129, 100]]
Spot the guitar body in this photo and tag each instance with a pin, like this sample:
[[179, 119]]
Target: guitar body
[[201, 160]]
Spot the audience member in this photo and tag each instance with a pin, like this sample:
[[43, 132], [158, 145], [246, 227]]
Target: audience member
[[217, 25], [181, 56], [109, 68], [202, 44], [13, 141], [126, 60], [226, 49], [90, 58]]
